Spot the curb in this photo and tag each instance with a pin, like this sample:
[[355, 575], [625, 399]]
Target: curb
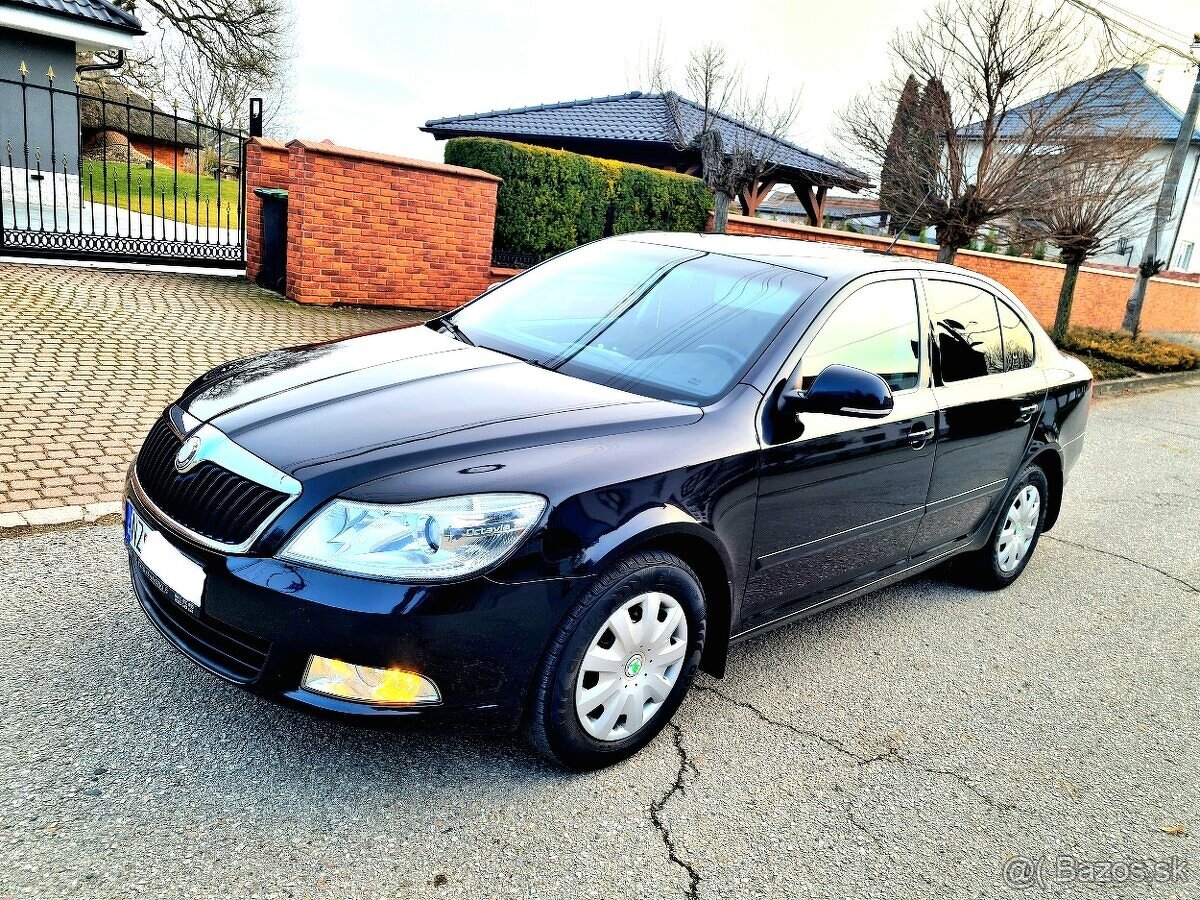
[[1143, 383], [57, 516]]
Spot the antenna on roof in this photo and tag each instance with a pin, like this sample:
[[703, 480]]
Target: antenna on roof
[[903, 228]]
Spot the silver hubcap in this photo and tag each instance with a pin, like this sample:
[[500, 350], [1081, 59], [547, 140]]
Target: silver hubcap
[[631, 666], [1020, 528]]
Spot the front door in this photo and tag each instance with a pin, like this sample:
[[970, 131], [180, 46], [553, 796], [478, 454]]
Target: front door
[[845, 497], [989, 396]]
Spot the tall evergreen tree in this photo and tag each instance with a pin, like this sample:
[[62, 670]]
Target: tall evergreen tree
[[933, 122], [893, 197]]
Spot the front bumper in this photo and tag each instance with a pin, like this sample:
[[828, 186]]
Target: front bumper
[[260, 618]]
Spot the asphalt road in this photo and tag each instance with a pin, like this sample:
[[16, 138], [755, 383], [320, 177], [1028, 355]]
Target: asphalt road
[[919, 742]]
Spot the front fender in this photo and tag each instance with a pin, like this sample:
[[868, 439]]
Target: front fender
[[666, 522], [671, 529]]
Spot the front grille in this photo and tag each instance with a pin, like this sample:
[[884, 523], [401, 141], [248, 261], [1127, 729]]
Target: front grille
[[209, 500], [221, 648]]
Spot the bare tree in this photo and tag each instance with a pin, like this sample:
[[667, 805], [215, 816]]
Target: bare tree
[[1107, 186], [210, 56], [735, 131], [995, 155]]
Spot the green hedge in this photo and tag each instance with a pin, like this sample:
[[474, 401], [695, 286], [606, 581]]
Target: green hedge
[[552, 200]]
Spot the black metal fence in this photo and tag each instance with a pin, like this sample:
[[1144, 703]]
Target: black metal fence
[[96, 172], [512, 259]]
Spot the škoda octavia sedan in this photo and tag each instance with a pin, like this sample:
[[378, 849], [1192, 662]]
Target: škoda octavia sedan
[[549, 509]]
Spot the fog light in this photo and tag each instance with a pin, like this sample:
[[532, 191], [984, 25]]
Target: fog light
[[365, 684]]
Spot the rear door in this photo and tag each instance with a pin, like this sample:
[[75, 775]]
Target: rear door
[[845, 496], [989, 395]]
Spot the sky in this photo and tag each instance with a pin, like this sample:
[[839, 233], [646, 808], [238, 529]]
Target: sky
[[369, 73]]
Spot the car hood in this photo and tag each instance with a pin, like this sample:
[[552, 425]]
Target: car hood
[[389, 401]]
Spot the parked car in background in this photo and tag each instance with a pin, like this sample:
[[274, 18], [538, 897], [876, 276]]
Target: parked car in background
[[550, 508]]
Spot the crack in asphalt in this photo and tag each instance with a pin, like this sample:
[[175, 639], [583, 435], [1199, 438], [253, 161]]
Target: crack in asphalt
[[656, 808], [833, 743], [1137, 562], [891, 754]]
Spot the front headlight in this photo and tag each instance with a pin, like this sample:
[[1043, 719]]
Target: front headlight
[[430, 540]]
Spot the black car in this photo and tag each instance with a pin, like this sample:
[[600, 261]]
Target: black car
[[551, 507]]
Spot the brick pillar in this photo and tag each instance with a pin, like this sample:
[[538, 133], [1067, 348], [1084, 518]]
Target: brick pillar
[[267, 165]]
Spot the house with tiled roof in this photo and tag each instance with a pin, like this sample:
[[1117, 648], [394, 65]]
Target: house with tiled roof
[[640, 128], [39, 40], [841, 211], [1123, 100]]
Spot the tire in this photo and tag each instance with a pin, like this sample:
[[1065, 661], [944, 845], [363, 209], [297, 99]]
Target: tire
[[555, 724], [990, 568]]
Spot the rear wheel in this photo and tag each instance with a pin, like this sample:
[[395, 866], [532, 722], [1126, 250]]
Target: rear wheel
[[621, 663], [1009, 548]]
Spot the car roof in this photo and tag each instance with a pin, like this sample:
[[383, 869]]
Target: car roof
[[827, 260]]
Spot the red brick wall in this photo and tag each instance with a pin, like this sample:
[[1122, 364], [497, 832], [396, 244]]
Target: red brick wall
[[365, 228], [267, 166], [1100, 294], [169, 156]]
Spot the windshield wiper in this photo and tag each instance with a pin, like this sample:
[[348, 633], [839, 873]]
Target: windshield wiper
[[456, 331]]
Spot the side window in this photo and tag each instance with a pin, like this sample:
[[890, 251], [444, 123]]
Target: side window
[[1018, 339], [966, 330], [876, 328]]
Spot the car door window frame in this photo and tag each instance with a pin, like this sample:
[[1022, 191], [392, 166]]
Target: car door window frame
[[904, 408], [997, 298], [845, 293]]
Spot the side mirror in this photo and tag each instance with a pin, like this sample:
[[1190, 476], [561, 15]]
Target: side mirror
[[840, 391]]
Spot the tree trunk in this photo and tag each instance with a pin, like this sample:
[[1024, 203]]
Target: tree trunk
[[1066, 297], [946, 253], [720, 212]]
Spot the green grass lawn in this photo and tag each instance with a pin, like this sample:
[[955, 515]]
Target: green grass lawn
[[122, 187]]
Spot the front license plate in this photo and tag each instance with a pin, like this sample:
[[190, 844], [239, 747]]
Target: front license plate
[[167, 565]]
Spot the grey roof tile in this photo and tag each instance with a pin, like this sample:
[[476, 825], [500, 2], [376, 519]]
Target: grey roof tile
[[631, 118], [1119, 97], [96, 12]]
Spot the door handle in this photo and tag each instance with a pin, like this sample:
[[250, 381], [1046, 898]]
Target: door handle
[[1027, 412], [918, 437]]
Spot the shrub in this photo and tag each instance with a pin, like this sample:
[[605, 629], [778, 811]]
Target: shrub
[[549, 200], [1104, 369], [649, 200], [552, 200], [1146, 354]]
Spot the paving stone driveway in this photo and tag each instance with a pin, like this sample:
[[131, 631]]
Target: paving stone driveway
[[89, 358]]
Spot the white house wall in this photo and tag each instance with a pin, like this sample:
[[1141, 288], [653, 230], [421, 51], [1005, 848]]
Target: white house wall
[[1187, 246], [1186, 217]]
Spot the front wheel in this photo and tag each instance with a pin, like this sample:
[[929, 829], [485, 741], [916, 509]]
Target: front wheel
[[620, 664], [1009, 548]]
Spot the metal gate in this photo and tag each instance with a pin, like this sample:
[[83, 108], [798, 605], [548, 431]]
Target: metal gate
[[99, 173]]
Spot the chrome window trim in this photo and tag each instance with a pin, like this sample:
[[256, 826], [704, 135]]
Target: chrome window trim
[[217, 448]]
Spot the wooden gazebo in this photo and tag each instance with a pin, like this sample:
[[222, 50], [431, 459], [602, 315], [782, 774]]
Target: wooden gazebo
[[640, 128]]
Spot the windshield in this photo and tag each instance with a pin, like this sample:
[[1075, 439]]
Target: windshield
[[659, 321]]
